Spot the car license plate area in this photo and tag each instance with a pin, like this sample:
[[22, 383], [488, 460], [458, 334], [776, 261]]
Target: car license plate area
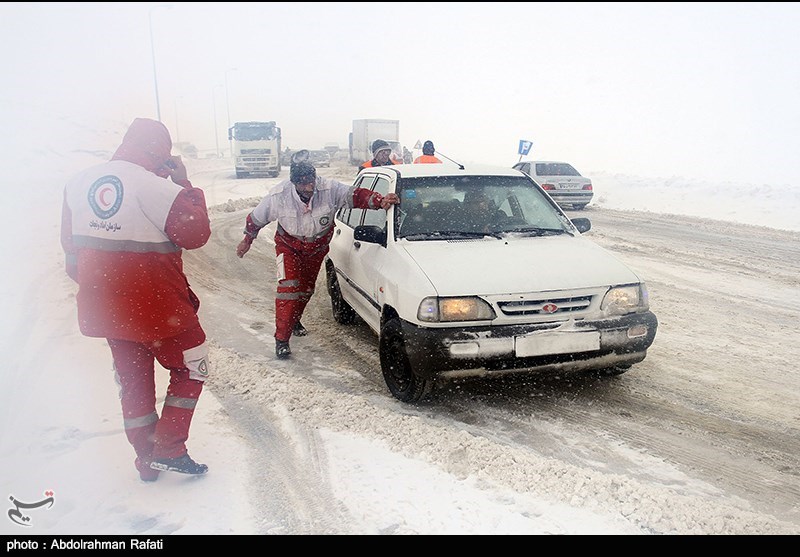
[[554, 342], [569, 186]]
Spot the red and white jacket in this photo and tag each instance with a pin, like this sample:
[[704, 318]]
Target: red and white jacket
[[310, 223], [123, 230]]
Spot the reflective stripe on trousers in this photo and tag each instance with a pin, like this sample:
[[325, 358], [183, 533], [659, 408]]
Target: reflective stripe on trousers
[[301, 264], [134, 366]]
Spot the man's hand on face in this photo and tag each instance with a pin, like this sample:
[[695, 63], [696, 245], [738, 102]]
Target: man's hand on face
[[177, 170]]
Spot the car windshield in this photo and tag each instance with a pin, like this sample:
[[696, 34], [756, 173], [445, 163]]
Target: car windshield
[[555, 169], [452, 207]]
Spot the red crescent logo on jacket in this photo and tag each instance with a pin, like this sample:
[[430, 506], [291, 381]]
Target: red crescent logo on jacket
[[105, 196]]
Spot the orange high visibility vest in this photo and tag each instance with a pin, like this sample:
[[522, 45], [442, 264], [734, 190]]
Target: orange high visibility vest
[[426, 159]]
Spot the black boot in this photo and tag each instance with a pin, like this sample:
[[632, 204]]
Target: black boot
[[183, 464], [282, 349], [299, 330]]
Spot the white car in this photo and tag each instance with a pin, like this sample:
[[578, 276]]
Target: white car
[[510, 289], [561, 181], [319, 158]]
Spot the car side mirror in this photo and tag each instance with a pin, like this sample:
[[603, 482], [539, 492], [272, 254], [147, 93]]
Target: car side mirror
[[582, 224], [370, 234]]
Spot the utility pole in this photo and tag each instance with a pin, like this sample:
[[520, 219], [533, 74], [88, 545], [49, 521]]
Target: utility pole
[[153, 55], [228, 108], [214, 101]]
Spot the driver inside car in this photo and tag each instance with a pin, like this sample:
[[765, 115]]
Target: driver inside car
[[479, 213]]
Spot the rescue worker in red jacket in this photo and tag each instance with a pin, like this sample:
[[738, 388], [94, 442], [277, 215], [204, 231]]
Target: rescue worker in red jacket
[[381, 155], [427, 156], [304, 207], [124, 226]]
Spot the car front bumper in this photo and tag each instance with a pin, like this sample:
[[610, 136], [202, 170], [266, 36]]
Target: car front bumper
[[575, 346]]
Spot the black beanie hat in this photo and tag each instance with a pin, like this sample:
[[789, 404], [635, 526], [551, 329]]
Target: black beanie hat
[[427, 148], [378, 145], [301, 171]]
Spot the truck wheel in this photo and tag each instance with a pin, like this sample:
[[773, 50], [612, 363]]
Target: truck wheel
[[403, 383]]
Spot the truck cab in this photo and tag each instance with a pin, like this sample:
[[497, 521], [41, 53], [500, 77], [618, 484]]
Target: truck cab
[[256, 148]]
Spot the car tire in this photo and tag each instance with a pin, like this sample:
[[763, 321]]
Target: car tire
[[343, 313], [403, 383], [579, 206]]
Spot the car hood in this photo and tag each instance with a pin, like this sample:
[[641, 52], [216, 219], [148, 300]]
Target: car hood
[[511, 265]]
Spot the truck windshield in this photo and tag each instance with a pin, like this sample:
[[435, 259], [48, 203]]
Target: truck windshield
[[254, 133]]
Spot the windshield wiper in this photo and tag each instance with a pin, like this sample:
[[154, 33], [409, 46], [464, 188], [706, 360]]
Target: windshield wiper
[[537, 231], [451, 234]]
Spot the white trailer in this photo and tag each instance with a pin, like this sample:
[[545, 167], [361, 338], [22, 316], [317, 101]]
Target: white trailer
[[366, 131]]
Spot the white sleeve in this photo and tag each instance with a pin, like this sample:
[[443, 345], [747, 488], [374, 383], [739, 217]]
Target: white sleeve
[[342, 193], [260, 215], [266, 211]]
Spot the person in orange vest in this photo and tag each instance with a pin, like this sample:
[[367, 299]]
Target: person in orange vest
[[427, 154], [381, 155]]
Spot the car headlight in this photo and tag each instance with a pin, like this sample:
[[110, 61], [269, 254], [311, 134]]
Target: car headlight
[[621, 300], [435, 310]]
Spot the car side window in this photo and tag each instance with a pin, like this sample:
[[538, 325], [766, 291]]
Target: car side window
[[378, 217], [353, 219]]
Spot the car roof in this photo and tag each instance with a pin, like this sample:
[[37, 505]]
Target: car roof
[[547, 162], [445, 169]]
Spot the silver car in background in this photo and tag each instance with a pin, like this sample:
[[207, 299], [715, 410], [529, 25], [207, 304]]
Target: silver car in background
[[559, 179]]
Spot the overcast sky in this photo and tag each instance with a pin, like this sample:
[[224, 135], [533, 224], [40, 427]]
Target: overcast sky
[[699, 90]]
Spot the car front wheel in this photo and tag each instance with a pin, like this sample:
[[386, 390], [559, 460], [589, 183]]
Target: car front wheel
[[343, 313], [403, 383]]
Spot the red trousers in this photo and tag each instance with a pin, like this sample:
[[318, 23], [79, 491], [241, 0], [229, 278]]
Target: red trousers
[[134, 363], [298, 265]]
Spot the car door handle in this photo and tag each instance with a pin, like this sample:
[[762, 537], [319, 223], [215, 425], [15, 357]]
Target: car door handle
[[338, 231], [357, 245]]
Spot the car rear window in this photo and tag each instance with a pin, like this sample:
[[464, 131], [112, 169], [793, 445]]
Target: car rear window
[[555, 169]]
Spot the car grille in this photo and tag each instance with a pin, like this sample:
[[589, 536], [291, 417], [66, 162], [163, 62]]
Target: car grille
[[550, 306]]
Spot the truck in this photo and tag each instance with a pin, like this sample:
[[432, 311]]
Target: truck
[[256, 148], [365, 131]]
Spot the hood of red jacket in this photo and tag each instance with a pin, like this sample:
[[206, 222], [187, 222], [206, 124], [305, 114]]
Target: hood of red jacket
[[148, 144]]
